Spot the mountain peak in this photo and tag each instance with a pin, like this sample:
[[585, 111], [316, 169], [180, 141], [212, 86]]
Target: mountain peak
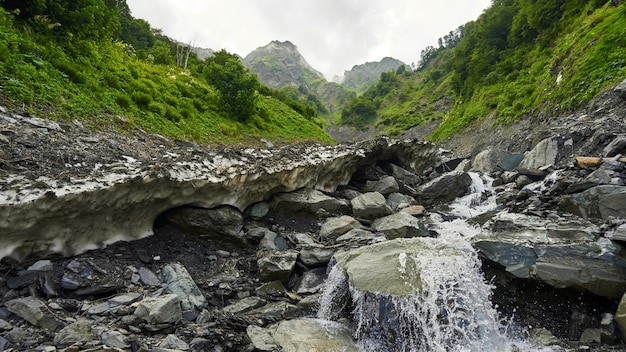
[[279, 64]]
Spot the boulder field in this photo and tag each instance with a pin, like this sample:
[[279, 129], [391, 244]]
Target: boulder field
[[112, 242]]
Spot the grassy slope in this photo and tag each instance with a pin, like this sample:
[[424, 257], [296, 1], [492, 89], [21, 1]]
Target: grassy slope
[[588, 53], [102, 81]]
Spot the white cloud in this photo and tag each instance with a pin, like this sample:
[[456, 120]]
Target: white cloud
[[333, 35]]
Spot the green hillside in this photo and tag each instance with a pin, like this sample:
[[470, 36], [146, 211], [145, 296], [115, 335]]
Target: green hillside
[[90, 60], [519, 56]]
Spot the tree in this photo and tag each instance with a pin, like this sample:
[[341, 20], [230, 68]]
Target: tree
[[236, 84]]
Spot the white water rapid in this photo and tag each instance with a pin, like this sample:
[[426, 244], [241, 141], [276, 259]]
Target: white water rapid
[[449, 308]]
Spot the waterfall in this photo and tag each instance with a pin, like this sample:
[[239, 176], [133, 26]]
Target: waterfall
[[449, 308]]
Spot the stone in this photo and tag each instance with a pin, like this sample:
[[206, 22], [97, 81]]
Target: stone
[[42, 265], [405, 176], [543, 337], [386, 185], [302, 239], [511, 162], [598, 177], [261, 338], [370, 205], [311, 281], [222, 225], [174, 343], [444, 188], [545, 153], [592, 335], [617, 146], [259, 210], [356, 235], [158, 310], [271, 288], [256, 234], [125, 299], [148, 278], [115, 339], [272, 241], [34, 311], [244, 305], [485, 161], [380, 268], [619, 234], [315, 256], [181, 283], [621, 87], [277, 265], [597, 202], [5, 325], [81, 331], [275, 310], [337, 226], [307, 200], [400, 225], [313, 335], [559, 251], [397, 201], [414, 210]]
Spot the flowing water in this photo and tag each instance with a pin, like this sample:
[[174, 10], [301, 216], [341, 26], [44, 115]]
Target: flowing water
[[450, 311]]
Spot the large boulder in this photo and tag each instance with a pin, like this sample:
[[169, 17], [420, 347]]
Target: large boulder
[[386, 185], [159, 310], [307, 200], [181, 283], [34, 311], [222, 225], [602, 202], [335, 227], [277, 265], [370, 205], [444, 188], [303, 335], [561, 252], [400, 225], [548, 152]]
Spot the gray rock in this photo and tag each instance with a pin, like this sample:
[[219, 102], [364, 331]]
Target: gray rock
[[302, 239], [244, 305], [355, 234], [114, 338], [370, 205], [511, 162], [407, 177], [313, 335], [277, 265], [485, 161], [543, 337], [275, 310], [545, 153], [315, 256], [256, 234], [414, 210], [125, 299], [272, 241], [172, 342], [400, 225], [158, 310], [270, 288], [148, 278], [444, 188], [335, 227], [80, 331], [561, 252], [5, 325], [259, 210], [181, 283], [619, 234], [597, 202], [42, 265], [34, 311], [99, 308], [384, 186], [261, 338], [43, 123], [222, 225], [617, 146], [620, 315], [599, 177], [397, 201], [307, 200], [311, 281], [592, 335]]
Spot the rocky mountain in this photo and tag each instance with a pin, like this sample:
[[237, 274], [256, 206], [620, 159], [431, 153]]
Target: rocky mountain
[[280, 64], [361, 77], [203, 53]]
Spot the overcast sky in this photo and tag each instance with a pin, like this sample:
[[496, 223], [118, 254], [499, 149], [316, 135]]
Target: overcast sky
[[332, 35]]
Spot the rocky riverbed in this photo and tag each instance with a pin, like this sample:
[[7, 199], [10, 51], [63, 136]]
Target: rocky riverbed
[[239, 261]]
